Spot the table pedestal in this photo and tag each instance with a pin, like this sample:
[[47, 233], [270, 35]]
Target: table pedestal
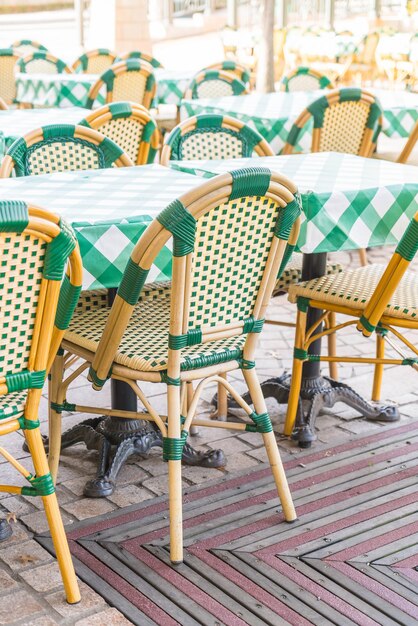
[[319, 391], [116, 439]]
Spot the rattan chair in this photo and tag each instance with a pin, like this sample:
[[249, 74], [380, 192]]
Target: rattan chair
[[214, 84], [344, 120], [211, 136], [35, 311], [409, 146], [61, 147], [130, 80], [206, 325], [8, 58], [3, 105], [41, 62], [305, 79], [26, 46], [364, 65], [376, 298], [233, 67], [140, 56], [130, 126], [95, 61]]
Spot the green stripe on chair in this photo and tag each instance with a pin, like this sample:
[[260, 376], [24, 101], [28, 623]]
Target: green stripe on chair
[[58, 251], [250, 181], [133, 280], [25, 380], [408, 245], [14, 216], [181, 224], [67, 302]]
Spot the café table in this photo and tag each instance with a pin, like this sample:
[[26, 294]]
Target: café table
[[69, 90], [17, 122], [109, 210], [348, 202], [273, 114]]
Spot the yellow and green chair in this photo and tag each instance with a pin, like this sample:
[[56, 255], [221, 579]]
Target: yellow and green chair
[[233, 67], [95, 61], [41, 62], [61, 147], [131, 81], [36, 305], [214, 84], [344, 120], [26, 46], [205, 326], [130, 126], [376, 300], [211, 136], [8, 59], [305, 79], [140, 56]]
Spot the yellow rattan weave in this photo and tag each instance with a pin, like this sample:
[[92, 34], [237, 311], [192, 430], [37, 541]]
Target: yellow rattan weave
[[229, 270], [211, 145], [344, 127], [354, 288], [13, 404], [59, 156], [21, 265], [214, 89], [144, 346], [126, 133], [7, 78], [129, 86], [293, 273]]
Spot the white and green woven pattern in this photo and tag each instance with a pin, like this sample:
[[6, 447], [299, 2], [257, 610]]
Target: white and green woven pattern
[[349, 202], [17, 122], [274, 114], [109, 210], [63, 90]]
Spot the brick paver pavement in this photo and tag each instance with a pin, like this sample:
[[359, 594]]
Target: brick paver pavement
[[30, 588]]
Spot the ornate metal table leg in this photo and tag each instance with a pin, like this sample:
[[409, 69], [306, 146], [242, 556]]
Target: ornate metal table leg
[[318, 391]]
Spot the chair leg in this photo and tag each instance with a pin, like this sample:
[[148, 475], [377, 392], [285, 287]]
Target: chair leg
[[53, 515], [54, 422], [222, 412], [174, 478], [378, 368], [332, 346], [363, 257], [295, 385], [272, 450]]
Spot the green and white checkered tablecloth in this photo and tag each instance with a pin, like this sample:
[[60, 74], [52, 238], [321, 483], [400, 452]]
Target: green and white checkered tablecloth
[[109, 210], [17, 122], [68, 90], [273, 114], [349, 202]]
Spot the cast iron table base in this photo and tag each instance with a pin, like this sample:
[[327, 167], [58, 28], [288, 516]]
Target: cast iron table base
[[116, 440], [318, 393]]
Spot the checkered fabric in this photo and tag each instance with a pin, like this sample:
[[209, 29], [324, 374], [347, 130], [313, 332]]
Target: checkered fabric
[[13, 404], [349, 202], [109, 211], [144, 346], [55, 90], [274, 114], [15, 123]]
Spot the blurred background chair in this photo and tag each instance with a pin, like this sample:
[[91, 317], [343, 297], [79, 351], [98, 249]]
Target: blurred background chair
[[95, 61], [41, 62], [214, 84], [305, 79]]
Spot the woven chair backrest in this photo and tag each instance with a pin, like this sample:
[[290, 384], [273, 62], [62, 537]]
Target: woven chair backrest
[[26, 46], [58, 148], [229, 237], [346, 120], [305, 79], [130, 81], [215, 84], [233, 67], [41, 62], [368, 53], [213, 137], [94, 61], [141, 56], [130, 126], [8, 58], [34, 249]]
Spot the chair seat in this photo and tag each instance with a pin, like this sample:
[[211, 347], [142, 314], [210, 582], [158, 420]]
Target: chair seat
[[353, 289], [12, 404], [144, 346], [293, 273]]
